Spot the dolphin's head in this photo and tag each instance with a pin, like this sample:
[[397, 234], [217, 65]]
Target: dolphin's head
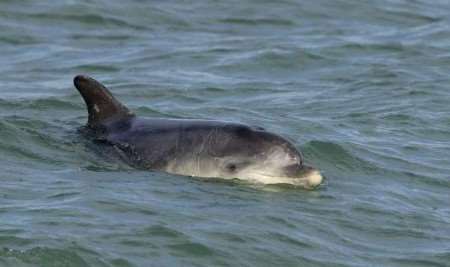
[[253, 154]]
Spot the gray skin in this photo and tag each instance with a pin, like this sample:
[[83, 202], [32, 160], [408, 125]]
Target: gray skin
[[201, 148]]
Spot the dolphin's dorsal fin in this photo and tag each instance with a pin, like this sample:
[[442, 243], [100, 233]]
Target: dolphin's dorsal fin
[[101, 104]]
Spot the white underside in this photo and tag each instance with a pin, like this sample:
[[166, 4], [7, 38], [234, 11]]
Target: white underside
[[309, 180]]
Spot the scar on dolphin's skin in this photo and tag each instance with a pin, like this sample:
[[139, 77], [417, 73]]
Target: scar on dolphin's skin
[[201, 148]]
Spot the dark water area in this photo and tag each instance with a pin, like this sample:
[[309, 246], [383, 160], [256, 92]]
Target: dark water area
[[361, 87]]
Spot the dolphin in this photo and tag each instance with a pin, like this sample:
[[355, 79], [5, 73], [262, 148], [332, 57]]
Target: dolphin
[[194, 147]]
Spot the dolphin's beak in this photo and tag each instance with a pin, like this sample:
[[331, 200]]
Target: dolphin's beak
[[311, 177]]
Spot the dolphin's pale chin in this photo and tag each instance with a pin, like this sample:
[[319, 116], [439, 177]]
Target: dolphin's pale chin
[[309, 179], [296, 175], [299, 176]]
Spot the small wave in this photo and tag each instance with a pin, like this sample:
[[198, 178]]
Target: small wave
[[64, 195], [91, 68], [50, 103], [44, 256], [405, 16], [110, 37], [372, 47], [335, 156], [290, 240], [272, 59], [258, 22], [150, 112], [191, 249], [35, 141], [90, 19], [161, 231], [17, 39]]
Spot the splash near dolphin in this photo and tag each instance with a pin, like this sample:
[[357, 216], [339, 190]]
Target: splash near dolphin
[[200, 148]]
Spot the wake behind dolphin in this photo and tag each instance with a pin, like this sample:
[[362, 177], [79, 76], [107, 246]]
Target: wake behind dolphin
[[200, 148]]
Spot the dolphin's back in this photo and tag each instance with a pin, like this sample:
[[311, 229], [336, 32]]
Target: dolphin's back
[[150, 143]]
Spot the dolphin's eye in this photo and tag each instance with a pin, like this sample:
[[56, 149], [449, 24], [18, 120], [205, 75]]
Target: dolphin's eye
[[231, 167]]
